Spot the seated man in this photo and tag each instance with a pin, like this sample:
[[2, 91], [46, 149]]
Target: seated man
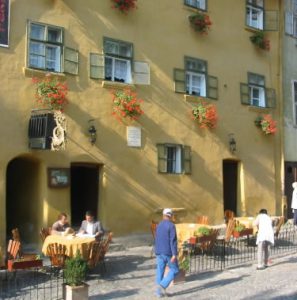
[[61, 225], [90, 226]]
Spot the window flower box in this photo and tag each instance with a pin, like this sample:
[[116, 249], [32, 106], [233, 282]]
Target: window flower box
[[200, 22], [205, 115], [124, 5], [17, 264], [259, 40], [266, 124], [243, 232]]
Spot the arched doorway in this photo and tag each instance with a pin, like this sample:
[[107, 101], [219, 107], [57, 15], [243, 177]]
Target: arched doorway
[[23, 203]]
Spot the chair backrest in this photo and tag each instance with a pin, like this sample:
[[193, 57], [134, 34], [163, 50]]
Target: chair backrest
[[228, 215], [154, 228], [202, 220], [105, 246], [57, 254], [94, 256], [229, 230], [281, 221], [16, 234], [44, 232], [13, 249]]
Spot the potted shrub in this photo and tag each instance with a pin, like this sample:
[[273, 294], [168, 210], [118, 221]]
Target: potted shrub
[[124, 5], [200, 22], [125, 105], [205, 115], [259, 40], [266, 124], [203, 231], [241, 230], [75, 273]]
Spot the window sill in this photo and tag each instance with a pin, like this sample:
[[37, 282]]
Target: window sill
[[117, 85], [194, 99], [28, 72], [259, 109], [194, 9], [252, 29]]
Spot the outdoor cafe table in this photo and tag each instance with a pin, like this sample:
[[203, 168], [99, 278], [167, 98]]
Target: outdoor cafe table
[[72, 243]]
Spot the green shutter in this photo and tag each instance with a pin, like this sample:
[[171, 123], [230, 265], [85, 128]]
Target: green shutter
[[271, 20], [70, 61], [162, 158], [179, 76], [97, 66], [270, 98], [212, 87], [245, 94], [187, 166]]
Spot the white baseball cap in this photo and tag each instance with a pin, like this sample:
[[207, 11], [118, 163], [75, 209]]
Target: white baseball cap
[[167, 212]]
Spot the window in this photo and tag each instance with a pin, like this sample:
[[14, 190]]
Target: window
[[45, 49], [193, 80], [291, 20], [295, 102], [254, 93], [255, 13], [200, 4], [116, 64], [174, 159]]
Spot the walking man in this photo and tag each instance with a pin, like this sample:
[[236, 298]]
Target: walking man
[[166, 252]]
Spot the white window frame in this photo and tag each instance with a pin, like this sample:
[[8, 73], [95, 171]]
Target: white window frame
[[199, 4], [257, 101], [253, 11], [294, 101], [46, 44], [128, 75], [191, 88]]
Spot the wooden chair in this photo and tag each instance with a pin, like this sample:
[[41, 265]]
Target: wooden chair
[[104, 248], [229, 230], [94, 256], [44, 232], [153, 231], [202, 220], [228, 215], [16, 234], [13, 249], [280, 222], [57, 254]]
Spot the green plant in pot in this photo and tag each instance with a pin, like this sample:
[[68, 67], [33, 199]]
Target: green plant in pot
[[203, 231], [75, 273], [239, 228]]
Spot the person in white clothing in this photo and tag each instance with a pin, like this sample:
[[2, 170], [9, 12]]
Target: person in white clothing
[[265, 238], [294, 202]]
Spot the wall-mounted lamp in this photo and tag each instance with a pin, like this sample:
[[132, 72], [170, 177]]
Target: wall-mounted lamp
[[232, 143], [92, 132]]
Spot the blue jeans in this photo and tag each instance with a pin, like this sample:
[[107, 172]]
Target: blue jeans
[[162, 262]]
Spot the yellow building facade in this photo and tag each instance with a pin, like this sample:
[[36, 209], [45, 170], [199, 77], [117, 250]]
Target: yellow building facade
[[154, 51]]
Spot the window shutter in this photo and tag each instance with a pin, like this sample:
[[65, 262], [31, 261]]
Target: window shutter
[[212, 87], [97, 66], [289, 23], [70, 61], [179, 80], [162, 158], [270, 98], [244, 94], [141, 73], [187, 166], [271, 20]]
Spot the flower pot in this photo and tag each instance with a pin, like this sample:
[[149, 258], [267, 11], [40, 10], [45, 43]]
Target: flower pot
[[23, 264], [193, 240], [79, 292], [244, 232]]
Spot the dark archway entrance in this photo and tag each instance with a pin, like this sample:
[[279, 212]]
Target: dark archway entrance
[[230, 184], [84, 190], [23, 204], [290, 177]]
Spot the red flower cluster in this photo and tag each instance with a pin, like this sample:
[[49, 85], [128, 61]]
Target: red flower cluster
[[267, 124], [200, 22], [124, 5], [50, 92], [126, 105], [260, 41], [205, 114]]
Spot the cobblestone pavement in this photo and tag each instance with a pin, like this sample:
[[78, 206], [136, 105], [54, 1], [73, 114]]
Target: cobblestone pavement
[[131, 274]]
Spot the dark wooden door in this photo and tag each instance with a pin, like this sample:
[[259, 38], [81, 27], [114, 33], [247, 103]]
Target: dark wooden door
[[290, 177], [230, 176]]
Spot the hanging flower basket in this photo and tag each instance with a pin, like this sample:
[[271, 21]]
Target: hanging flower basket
[[259, 40], [125, 105], [124, 5], [266, 123], [205, 114], [50, 92], [200, 22]]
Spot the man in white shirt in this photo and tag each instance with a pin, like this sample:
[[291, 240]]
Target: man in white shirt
[[90, 226], [265, 238]]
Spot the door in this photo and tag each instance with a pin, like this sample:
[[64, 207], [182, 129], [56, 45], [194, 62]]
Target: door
[[230, 182], [84, 191], [290, 177]]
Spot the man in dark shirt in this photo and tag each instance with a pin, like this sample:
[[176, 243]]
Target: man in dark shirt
[[166, 252], [61, 225]]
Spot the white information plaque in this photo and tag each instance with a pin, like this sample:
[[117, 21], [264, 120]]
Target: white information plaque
[[133, 136]]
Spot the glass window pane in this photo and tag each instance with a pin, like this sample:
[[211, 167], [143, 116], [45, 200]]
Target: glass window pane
[[36, 61], [120, 70], [108, 68], [37, 48], [37, 32], [111, 47], [53, 57], [54, 35], [125, 50]]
